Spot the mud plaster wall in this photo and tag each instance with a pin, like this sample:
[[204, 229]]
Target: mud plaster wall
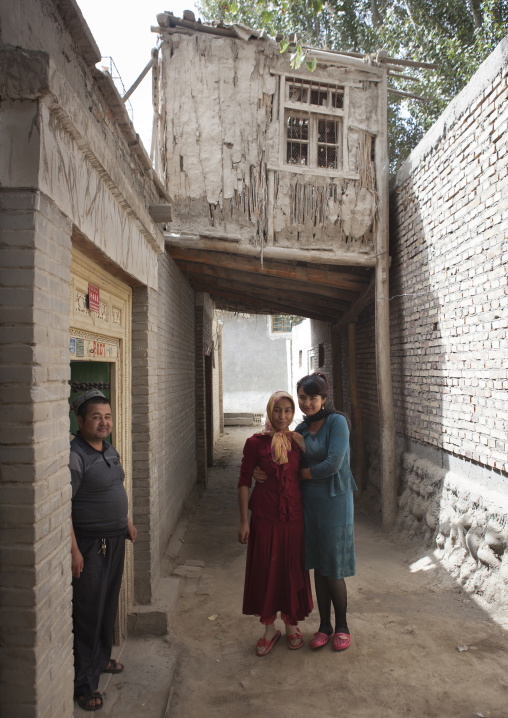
[[219, 137], [84, 164], [449, 319]]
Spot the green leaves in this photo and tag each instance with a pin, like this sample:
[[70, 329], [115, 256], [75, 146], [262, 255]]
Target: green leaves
[[455, 34]]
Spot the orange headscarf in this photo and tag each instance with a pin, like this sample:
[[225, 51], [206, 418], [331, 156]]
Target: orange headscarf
[[281, 440]]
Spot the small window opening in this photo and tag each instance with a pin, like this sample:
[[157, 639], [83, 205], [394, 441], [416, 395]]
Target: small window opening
[[300, 358], [321, 355], [281, 324]]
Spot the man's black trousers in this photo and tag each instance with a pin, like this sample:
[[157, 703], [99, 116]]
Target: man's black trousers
[[95, 604]]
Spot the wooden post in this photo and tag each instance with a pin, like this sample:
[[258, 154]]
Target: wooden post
[[384, 375], [358, 442], [270, 208], [338, 393]]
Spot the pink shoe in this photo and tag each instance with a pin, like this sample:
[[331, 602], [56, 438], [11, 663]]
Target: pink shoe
[[320, 639], [298, 636], [341, 641]]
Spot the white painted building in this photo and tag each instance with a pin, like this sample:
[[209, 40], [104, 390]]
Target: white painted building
[[256, 361]]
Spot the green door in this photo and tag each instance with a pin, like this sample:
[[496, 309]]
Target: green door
[[87, 375]]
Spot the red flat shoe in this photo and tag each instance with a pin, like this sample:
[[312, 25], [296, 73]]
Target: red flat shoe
[[320, 639], [268, 645], [297, 636], [341, 641]]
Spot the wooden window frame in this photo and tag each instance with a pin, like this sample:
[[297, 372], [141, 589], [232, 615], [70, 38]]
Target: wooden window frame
[[280, 320], [303, 108]]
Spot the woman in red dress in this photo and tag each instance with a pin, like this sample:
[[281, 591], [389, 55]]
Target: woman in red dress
[[275, 579]]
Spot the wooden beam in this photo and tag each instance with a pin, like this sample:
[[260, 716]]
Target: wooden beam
[[235, 246], [356, 409], [397, 62], [271, 304], [410, 95], [404, 77], [357, 308], [347, 284], [312, 292], [301, 308], [295, 299], [389, 501]]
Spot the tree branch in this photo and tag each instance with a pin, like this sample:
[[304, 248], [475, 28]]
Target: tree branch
[[476, 17], [377, 18]]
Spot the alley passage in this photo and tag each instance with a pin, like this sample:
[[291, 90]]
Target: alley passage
[[407, 620]]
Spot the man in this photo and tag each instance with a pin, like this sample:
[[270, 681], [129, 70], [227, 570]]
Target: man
[[100, 525]]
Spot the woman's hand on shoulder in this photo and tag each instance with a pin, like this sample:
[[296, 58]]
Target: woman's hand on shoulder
[[243, 532], [259, 475]]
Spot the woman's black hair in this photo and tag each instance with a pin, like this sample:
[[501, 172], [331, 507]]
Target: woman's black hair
[[317, 384], [83, 409]]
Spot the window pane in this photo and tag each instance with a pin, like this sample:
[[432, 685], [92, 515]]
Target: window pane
[[298, 93], [281, 323], [298, 128], [297, 148], [327, 156], [338, 100], [319, 97], [297, 153], [327, 131]]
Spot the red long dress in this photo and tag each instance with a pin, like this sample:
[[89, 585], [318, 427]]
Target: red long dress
[[275, 579]]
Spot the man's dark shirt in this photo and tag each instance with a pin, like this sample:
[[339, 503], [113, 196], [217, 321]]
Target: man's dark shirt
[[99, 500]]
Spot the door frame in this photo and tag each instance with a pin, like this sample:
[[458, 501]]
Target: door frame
[[106, 337]]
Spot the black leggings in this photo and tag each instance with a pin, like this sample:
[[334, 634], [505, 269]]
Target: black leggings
[[331, 591]]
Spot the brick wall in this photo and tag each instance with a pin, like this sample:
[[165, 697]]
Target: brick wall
[[163, 385], [449, 320], [176, 426], [35, 596], [450, 262]]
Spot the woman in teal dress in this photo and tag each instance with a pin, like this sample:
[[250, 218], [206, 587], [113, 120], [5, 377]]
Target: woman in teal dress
[[327, 492]]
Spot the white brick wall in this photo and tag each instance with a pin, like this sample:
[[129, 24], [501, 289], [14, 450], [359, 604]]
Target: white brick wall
[[449, 321], [449, 249]]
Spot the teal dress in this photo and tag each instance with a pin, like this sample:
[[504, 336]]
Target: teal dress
[[328, 499]]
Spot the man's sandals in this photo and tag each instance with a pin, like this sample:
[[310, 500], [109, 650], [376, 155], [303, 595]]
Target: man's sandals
[[84, 702], [114, 667]]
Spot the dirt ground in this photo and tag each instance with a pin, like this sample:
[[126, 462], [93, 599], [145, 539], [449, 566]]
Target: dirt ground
[[407, 618]]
